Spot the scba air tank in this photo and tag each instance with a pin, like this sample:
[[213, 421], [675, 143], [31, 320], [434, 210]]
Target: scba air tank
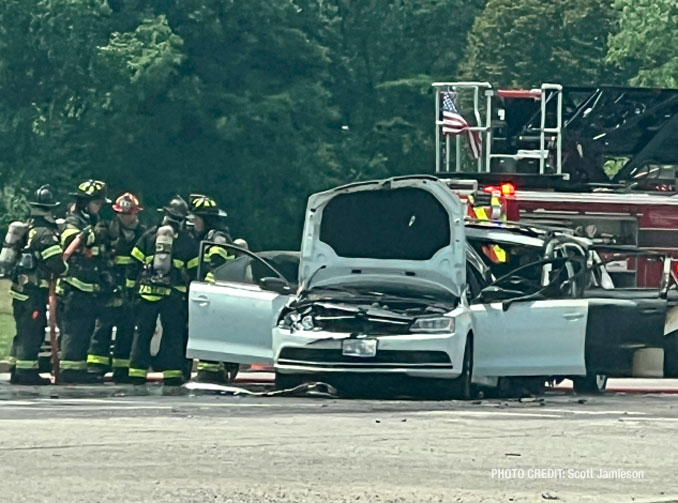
[[164, 240], [11, 247]]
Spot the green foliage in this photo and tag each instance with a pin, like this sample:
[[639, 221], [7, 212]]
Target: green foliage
[[12, 206], [527, 42], [386, 55], [7, 327], [644, 46], [262, 103], [7, 330]]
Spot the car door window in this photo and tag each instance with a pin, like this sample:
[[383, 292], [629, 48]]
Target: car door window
[[238, 270], [247, 267]]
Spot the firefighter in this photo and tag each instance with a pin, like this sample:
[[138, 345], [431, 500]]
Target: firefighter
[[87, 279], [209, 224], [165, 260], [122, 234], [35, 255]]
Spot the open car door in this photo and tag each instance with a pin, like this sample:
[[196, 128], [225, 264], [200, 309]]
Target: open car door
[[524, 328], [530, 338], [231, 318]]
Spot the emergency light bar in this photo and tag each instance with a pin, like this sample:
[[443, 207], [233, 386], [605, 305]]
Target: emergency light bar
[[506, 189]]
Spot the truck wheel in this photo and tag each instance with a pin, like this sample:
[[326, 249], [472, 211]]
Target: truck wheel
[[593, 383], [287, 381], [461, 388], [671, 355]]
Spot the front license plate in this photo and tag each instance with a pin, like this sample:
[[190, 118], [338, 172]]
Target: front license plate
[[363, 348]]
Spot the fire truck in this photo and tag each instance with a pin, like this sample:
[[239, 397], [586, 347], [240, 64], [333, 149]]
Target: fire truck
[[601, 160]]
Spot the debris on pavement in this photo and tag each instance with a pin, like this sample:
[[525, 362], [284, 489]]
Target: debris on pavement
[[317, 389], [549, 496]]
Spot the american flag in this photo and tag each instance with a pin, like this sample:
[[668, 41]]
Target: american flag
[[455, 124]]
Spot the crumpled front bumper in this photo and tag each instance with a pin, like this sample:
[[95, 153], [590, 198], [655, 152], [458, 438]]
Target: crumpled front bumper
[[413, 355]]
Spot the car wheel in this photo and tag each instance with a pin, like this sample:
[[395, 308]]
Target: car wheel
[[461, 388], [593, 383], [287, 381]]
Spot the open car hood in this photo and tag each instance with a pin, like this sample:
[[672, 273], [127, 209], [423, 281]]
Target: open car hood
[[408, 229]]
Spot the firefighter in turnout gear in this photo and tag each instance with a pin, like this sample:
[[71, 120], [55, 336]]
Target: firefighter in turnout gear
[[165, 260], [37, 259], [122, 234], [87, 280], [209, 225]]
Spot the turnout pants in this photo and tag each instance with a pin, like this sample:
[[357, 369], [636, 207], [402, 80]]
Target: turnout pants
[[99, 355], [79, 311], [30, 316], [172, 312]]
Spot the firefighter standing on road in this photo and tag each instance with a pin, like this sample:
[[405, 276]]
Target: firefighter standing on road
[[86, 279], [121, 235], [37, 261], [165, 260], [209, 224]]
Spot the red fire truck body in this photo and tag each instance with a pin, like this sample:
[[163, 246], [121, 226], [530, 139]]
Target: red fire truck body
[[649, 222]]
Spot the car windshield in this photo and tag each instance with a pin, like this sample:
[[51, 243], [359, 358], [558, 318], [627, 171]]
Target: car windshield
[[502, 258]]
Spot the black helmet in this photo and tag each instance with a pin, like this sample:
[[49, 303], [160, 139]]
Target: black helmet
[[92, 190], [176, 209], [205, 206], [44, 198]]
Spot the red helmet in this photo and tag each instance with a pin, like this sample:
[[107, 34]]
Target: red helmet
[[127, 203]]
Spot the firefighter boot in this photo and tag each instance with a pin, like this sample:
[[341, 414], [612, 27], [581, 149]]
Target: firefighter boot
[[97, 370], [79, 377], [28, 377], [121, 376], [212, 373]]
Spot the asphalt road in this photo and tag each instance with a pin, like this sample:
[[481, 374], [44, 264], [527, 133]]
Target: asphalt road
[[263, 449]]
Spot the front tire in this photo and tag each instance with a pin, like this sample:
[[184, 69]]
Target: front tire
[[287, 381], [461, 388], [592, 384]]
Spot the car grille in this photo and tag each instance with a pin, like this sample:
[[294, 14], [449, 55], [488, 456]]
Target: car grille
[[383, 359]]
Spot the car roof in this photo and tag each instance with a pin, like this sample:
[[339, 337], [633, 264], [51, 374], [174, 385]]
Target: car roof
[[503, 235]]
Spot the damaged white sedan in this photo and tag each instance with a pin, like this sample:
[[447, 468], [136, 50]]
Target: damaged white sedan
[[382, 291]]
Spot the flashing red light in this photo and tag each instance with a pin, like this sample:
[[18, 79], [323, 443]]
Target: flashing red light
[[675, 268], [508, 189], [505, 189]]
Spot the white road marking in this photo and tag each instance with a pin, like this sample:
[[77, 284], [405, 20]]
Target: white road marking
[[484, 413], [597, 412]]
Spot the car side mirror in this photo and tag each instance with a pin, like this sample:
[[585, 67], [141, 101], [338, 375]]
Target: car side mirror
[[273, 284]]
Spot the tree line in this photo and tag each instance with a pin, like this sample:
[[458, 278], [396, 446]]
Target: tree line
[[261, 103]]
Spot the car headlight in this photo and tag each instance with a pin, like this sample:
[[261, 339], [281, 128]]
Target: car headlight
[[433, 325], [307, 322]]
